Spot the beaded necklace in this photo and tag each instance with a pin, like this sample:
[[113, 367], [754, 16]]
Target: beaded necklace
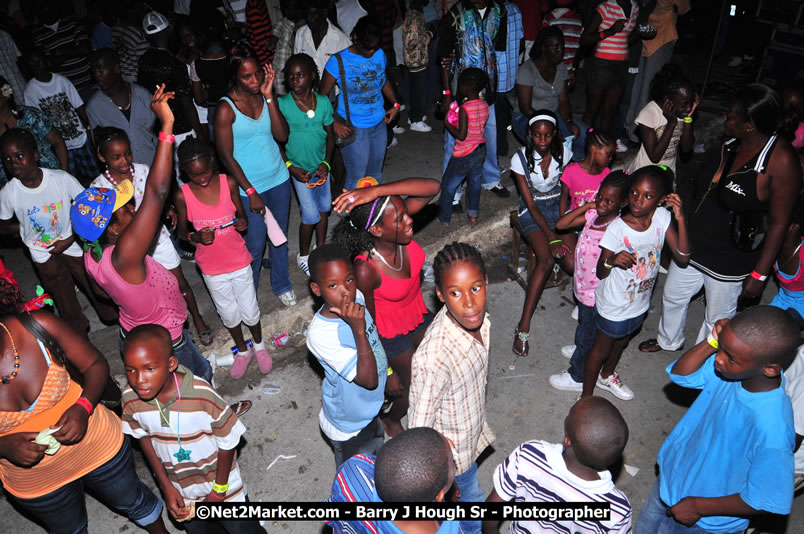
[[183, 454], [115, 182], [8, 378]]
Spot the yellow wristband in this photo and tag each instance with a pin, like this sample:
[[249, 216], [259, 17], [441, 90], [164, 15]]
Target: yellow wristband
[[220, 488], [607, 266], [687, 120], [390, 371], [288, 164], [712, 341]]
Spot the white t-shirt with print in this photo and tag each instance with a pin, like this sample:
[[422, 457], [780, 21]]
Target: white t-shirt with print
[[43, 212], [625, 293], [652, 117], [58, 99]]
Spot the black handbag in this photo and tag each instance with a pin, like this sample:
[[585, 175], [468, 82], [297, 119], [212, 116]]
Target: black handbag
[[748, 229], [346, 141]]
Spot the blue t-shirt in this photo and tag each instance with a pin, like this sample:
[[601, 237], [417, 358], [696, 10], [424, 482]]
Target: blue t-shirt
[[349, 407], [729, 441], [365, 78]]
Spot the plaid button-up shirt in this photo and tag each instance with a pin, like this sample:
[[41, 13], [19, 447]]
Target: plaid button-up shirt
[[448, 387], [507, 62]]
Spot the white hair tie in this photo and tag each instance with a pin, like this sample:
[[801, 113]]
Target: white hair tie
[[379, 212], [542, 117]]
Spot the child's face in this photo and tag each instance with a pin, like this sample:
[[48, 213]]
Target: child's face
[[682, 102], [299, 78], [463, 290], [602, 156], [19, 160], [336, 280], [733, 360], [542, 133], [644, 197], [396, 225], [149, 365], [199, 171], [116, 154], [38, 64], [607, 201]]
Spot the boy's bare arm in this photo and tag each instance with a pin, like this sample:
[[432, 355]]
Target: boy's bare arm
[[225, 459], [353, 313], [690, 509], [173, 499], [693, 359]]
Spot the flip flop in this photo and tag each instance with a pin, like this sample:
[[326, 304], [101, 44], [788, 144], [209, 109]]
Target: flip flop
[[240, 407], [521, 347], [206, 338], [650, 345]]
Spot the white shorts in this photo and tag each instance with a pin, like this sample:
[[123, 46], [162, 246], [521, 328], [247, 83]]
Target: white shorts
[[164, 252], [235, 297]]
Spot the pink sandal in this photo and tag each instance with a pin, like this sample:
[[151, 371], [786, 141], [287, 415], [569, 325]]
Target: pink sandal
[[264, 360], [241, 362]]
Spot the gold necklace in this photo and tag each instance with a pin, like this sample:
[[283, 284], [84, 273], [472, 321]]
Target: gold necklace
[[309, 111]]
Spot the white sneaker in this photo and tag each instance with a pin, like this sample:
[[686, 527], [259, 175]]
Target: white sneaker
[[621, 146], [564, 382], [398, 130], [567, 351], [288, 298], [614, 384], [394, 142], [424, 119], [301, 261], [735, 61], [574, 313], [420, 126]]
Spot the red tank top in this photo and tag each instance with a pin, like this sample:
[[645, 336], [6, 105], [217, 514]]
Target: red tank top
[[398, 302], [228, 252]]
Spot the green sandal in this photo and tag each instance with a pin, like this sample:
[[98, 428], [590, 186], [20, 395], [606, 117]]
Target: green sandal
[[521, 347]]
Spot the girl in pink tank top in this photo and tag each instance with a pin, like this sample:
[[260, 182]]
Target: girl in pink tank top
[[211, 204], [387, 267]]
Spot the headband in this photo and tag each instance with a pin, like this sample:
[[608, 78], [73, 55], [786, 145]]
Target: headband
[[371, 222], [542, 117]]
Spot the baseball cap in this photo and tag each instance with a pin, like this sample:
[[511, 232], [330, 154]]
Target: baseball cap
[[93, 208], [154, 22]]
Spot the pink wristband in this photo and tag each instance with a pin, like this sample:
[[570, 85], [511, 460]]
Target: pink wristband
[[84, 404], [166, 138], [756, 276], [250, 191]]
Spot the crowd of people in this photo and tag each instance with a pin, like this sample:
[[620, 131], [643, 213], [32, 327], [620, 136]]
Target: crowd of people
[[145, 138]]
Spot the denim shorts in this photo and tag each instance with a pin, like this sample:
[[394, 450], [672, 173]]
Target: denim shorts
[[618, 329], [605, 74], [394, 346], [313, 201], [548, 207]]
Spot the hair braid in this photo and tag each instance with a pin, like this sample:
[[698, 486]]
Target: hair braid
[[453, 252]]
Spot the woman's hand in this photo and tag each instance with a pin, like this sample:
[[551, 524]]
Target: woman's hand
[[617, 27], [391, 114], [574, 129], [267, 85], [256, 204], [172, 217], [73, 425], [160, 107], [393, 386], [694, 105], [352, 198], [207, 236], [174, 502], [752, 288], [559, 249], [341, 130], [674, 201], [299, 174], [669, 112], [623, 260], [21, 449]]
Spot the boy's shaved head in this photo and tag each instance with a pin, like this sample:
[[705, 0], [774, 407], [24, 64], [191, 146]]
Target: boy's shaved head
[[150, 333], [597, 432], [771, 333], [413, 467]]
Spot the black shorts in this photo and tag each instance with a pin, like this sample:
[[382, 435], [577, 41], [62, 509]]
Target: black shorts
[[394, 346], [605, 74]]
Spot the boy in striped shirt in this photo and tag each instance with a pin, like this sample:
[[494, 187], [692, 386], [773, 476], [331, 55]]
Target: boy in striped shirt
[[573, 471], [188, 433]]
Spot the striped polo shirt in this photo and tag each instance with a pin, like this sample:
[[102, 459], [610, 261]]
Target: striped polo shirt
[[536, 472], [67, 34], [569, 22], [615, 47], [477, 112], [206, 425]]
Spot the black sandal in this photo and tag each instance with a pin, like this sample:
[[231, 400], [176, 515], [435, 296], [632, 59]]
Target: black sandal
[[521, 346], [650, 345], [240, 407]]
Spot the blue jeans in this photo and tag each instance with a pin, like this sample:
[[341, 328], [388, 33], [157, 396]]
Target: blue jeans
[[313, 201], [470, 166], [277, 199], [519, 124], [366, 155], [367, 441], [491, 170], [187, 354], [115, 483], [653, 518], [584, 338], [470, 492]]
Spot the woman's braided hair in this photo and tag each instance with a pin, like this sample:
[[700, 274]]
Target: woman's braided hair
[[452, 253]]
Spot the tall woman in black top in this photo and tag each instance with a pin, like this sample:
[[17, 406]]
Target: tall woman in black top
[[738, 220]]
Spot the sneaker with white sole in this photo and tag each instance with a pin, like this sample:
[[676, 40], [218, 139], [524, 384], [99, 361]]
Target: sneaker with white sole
[[574, 313], [614, 384], [398, 130], [564, 382], [301, 261], [567, 351], [288, 298], [420, 126]]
